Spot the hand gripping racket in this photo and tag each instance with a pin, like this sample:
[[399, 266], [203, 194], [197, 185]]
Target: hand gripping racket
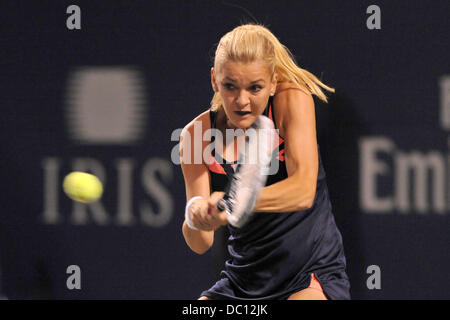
[[251, 173]]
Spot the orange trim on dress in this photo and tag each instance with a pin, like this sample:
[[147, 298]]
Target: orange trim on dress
[[280, 139], [315, 284], [215, 167]]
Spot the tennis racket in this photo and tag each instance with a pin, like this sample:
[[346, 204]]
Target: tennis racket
[[251, 173]]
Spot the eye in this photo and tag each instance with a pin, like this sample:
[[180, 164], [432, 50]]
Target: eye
[[256, 88], [228, 86]]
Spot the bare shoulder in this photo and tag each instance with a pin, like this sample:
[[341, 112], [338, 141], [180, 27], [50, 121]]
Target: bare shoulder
[[201, 121], [290, 99], [286, 86], [288, 90], [193, 140]]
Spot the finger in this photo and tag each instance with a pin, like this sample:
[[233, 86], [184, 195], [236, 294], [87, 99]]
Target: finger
[[203, 212], [213, 212], [212, 219], [215, 197], [212, 204], [222, 217], [204, 226], [200, 224], [195, 206], [196, 215], [205, 219], [219, 217]]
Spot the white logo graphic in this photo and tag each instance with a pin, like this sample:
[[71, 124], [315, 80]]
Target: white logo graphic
[[105, 105]]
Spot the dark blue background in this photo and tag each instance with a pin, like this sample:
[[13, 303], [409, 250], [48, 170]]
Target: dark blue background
[[386, 85]]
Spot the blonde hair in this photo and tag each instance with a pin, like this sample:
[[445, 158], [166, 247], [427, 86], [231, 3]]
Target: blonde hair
[[251, 42]]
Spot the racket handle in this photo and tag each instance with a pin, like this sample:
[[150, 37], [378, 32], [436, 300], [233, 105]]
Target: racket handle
[[222, 205]]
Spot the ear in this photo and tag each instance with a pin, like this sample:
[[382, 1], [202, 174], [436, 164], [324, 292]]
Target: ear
[[213, 81], [274, 82]]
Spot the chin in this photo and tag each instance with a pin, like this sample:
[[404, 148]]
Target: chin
[[243, 123]]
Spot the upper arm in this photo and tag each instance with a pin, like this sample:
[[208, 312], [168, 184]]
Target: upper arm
[[295, 114], [195, 173]]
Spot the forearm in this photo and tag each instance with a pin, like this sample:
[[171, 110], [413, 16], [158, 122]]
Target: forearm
[[285, 196], [198, 240]]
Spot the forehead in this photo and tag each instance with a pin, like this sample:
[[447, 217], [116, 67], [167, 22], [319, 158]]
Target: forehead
[[244, 72]]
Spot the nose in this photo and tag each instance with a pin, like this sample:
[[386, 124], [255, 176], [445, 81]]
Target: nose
[[242, 99]]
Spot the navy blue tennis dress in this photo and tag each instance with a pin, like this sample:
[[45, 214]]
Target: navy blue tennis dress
[[278, 253]]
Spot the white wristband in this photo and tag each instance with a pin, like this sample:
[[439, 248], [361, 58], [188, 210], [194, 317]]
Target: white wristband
[[186, 212]]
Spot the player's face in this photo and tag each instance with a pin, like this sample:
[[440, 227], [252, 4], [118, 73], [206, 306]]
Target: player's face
[[245, 89]]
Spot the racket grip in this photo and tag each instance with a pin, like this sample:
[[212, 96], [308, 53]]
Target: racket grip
[[222, 205]]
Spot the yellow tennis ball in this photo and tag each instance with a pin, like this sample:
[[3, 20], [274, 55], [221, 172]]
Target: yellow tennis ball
[[82, 187]]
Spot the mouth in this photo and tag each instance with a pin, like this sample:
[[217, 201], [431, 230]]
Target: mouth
[[242, 113]]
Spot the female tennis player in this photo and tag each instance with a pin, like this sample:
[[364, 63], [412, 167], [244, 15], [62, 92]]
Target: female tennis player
[[291, 248]]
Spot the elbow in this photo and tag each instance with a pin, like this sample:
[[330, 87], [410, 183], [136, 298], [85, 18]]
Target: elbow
[[197, 243], [304, 206], [201, 250], [307, 202], [305, 191], [308, 205]]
